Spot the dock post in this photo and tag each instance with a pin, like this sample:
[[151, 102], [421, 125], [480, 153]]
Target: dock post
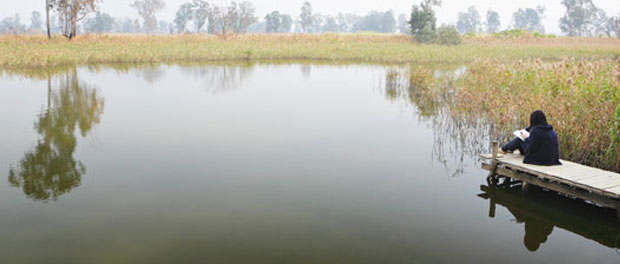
[[492, 177]]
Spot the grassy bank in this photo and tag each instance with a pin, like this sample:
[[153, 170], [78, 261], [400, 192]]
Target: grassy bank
[[581, 98], [37, 51]]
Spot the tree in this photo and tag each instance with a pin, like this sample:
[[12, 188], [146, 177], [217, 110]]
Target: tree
[[317, 23], [403, 25], [581, 17], [12, 25], [245, 17], [183, 15], [448, 35], [377, 22], [70, 12], [287, 23], [273, 22], [49, 169], [306, 17], [330, 24], [201, 14], [223, 19], [469, 22], [493, 22], [147, 9], [35, 21], [48, 6], [101, 23], [613, 25], [529, 19], [164, 27], [423, 21], [346, 22]]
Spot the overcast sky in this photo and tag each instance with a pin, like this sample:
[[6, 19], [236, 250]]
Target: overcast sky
[[447, 13]]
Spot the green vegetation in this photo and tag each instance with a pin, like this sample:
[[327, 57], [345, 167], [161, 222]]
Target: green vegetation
[[575, 80], [581, 98], [37, 51]]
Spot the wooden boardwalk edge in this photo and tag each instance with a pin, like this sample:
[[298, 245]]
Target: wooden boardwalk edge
[[572, 179]]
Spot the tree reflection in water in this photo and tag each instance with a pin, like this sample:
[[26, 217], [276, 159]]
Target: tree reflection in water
[[220, 78], [49, 169], [457, 138]]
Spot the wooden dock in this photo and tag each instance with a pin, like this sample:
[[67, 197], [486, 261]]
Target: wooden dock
[[572, 179]]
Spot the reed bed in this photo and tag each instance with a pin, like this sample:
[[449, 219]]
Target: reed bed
[[580, 97], [37, 51]]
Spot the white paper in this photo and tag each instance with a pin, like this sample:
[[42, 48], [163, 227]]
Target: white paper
[[522, 134]]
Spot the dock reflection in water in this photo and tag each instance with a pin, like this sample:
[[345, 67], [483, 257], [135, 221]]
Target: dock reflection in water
[[541, 211], [49, 170]]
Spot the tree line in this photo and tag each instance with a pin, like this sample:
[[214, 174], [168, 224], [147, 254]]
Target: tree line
[[70, 17]]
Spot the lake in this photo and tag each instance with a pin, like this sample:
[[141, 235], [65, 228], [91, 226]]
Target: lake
[[263, 163]]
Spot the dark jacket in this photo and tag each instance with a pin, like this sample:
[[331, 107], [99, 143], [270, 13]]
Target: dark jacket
[[542, 146]]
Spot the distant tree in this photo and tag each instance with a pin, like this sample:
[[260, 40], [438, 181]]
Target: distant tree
[[35, 21], [147, 9], [448, 35], [613, 25], [346, 22], [529, 19], [388, 22], [136, 26], [200, 14], [71, 12], [101, 23], [600, 23], [223, 19], [377, 22], [492, 23], [124, 25], [469, 22], [422, 21], [306, 17], [317, 23], [580, 18], [258, 27], [245, 17], [183, 16], [403, 25], [330, 24], [48, 7], [273, 21], [164, 27], [287, 23], [12, 25]]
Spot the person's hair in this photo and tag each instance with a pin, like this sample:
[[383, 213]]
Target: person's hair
[[537, 118]]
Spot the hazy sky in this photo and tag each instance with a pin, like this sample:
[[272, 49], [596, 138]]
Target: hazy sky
[[447, 13]]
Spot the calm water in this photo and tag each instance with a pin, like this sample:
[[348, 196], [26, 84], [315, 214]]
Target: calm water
[[262, 164]]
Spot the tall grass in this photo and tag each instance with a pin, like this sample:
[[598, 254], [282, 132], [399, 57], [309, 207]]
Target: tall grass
[[580, 97], [37, 51]]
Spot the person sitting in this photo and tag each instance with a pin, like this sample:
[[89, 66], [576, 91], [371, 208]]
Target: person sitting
[[541, 147]]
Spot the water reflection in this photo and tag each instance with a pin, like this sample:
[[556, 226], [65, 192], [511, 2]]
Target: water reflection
[[49, 169], [457, 138], [541, 211], [220, 78]]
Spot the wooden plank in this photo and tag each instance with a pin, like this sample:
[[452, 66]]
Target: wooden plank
[[570, 173], [612, 203], [565, 181]]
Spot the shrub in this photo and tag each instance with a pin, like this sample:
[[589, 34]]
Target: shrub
[[448, 35], [426, 35]]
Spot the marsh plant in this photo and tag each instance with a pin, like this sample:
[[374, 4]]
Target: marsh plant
[[580, 96]]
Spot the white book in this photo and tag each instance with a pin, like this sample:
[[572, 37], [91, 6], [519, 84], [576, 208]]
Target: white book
[[522, 134]]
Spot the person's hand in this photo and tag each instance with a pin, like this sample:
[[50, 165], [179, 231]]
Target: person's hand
[[524, 135]]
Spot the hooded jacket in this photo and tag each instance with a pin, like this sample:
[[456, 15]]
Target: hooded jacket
[[543, 146]]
